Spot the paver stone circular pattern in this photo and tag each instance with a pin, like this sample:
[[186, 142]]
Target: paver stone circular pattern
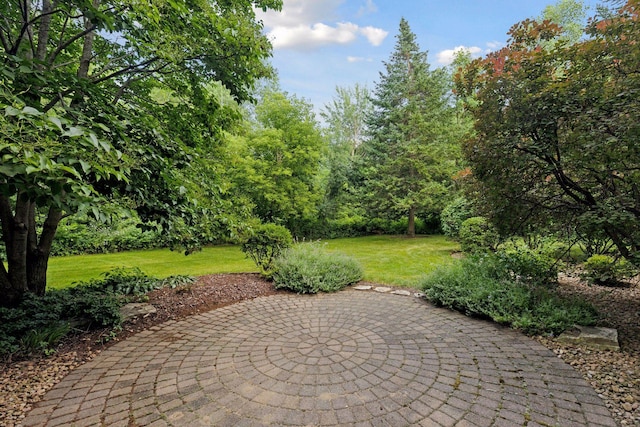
[[349, 358]]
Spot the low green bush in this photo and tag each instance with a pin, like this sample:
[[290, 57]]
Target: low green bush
[[454, 214], [477, 234], [538, 267], [124, 281], [309, 268], [605, 270], [84, 235], [483, 286], [265, 244], [37, 324]]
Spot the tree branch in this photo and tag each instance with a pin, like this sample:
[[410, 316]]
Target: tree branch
[[52, 57]]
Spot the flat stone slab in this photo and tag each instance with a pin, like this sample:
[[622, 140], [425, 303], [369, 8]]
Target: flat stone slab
[[341, 359], [401, 292], [362, 287], [135, 309], [594, 337], [382, 289]]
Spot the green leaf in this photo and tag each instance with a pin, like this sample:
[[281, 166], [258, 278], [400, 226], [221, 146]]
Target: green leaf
[[94, 140], [9, 170], [30, 111], [74, 131], [11, 111], [85, 166], [56, 121]]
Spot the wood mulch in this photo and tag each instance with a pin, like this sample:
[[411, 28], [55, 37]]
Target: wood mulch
[[614, 375]]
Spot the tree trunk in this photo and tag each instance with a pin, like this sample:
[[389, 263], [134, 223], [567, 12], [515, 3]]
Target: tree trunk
[[411, 227], [13, 284], [87, 48], [38, 256]]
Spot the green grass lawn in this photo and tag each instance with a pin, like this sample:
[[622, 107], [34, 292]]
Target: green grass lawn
[[396, 260], [63, 271], [393, 260]]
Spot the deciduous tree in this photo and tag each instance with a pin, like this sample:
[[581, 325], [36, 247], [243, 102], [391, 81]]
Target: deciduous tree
[[80, 122], [557, 129]]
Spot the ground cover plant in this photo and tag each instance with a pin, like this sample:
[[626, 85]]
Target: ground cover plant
[[37, 324], [483, 285], [309, 268]]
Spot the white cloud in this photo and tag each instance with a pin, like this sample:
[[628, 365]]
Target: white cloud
[[300, 12], [495, 45], [375, 35], [316, 35], [358, 59], [446, 57], [304, 24], [369, 7]]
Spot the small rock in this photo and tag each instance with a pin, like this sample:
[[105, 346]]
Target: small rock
[[627, 407], [136, 309], [382, 289], [362, 287], [401, 292], [419, 295], [595, 337]]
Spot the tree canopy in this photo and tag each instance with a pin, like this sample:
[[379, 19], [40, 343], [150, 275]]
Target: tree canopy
[[79, 86], [557, 129], [410, 156]]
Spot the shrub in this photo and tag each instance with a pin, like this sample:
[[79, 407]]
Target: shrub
[[530, 266], [124, 281], [84, 235], [265, 244], [454, 214], [477, 235], [605, 270], [38, 323], [309, 268], [483, 286]]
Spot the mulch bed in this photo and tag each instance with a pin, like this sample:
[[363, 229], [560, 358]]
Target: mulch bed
[[614, 375]]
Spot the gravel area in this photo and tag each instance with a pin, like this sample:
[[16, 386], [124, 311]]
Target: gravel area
[[614, 375]]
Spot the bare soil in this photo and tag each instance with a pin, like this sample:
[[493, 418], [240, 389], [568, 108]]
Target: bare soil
[[614, 375]]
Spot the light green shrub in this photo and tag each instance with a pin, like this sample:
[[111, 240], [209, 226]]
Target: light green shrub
[[309, 268], [483, 286], [477, 234], [265, 244], [605, 270], [530, 266], [454, 214]]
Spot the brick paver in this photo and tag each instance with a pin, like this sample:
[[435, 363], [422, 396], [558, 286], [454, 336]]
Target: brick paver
[[350, 358]]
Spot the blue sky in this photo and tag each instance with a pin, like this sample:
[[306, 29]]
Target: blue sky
[[321, 44]]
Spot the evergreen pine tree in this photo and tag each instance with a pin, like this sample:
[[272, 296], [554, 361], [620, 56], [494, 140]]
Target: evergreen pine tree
[[411, 153]]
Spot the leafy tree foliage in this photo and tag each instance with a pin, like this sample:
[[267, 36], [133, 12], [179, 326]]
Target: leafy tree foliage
[[346, 130], [410, 156], [275, 164], [557, 129], [78, 85], [570, 16]]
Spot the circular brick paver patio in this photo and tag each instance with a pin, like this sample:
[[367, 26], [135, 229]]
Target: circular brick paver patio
[[350, 358]]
